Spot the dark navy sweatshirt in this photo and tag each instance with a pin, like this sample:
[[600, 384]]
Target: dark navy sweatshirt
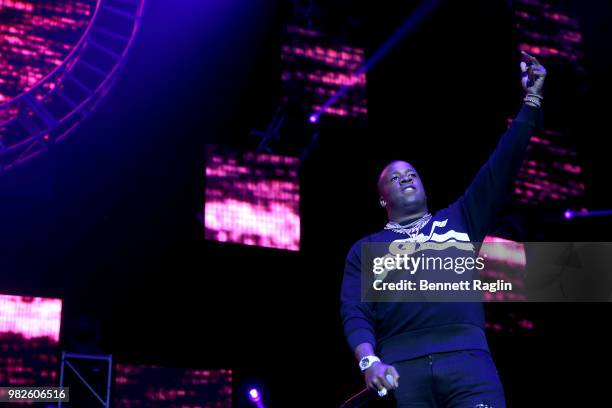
[[405, 330]]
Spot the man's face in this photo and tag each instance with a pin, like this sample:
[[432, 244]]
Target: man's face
[[400, 187]]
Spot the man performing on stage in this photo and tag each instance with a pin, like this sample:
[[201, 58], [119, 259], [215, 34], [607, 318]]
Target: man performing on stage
[[438, 349]]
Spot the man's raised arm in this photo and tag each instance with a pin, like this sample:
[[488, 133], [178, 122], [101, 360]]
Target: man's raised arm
[[485, 195]]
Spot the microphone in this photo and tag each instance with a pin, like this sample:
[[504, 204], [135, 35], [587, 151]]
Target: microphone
[[360, 399], [364, 396]]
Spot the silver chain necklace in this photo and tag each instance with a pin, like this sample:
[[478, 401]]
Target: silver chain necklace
[[411, 229]]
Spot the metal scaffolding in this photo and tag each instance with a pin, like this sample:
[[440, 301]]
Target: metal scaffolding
[[51, 109], [105, 357]]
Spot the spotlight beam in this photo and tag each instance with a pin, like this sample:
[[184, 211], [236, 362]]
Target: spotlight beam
[[593, 213], [413, 21]]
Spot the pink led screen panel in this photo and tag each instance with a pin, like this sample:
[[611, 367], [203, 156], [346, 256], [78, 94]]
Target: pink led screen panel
[[252, 199], [29, 337], [150, 386], [550, 171], [315, 67], [545, 31], [508, 262], [35, 37]]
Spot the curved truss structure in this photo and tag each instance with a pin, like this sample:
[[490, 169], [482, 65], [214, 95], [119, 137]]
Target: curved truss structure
[[46, 113]]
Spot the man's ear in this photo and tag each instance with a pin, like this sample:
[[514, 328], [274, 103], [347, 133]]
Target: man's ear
[[383, 203]]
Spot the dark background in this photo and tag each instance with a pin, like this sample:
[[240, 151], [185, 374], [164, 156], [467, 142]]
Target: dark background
[[108, 220]]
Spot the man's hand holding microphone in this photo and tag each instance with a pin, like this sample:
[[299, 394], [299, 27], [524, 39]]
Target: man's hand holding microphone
[[379, 376], [382, 378]]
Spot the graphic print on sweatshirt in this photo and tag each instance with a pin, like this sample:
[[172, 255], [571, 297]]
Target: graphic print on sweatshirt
[[439, 238]]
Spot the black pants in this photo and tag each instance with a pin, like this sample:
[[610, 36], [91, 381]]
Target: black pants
[[458, 379]]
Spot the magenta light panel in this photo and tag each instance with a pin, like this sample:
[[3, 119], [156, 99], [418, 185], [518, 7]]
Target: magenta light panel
[[29, 336], [545, 31], [314, 68], [252, 199], [507, 258], [150, 386], [35, 37], [551, 172]]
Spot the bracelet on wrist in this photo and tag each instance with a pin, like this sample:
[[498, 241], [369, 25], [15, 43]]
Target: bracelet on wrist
[[533, 100]]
